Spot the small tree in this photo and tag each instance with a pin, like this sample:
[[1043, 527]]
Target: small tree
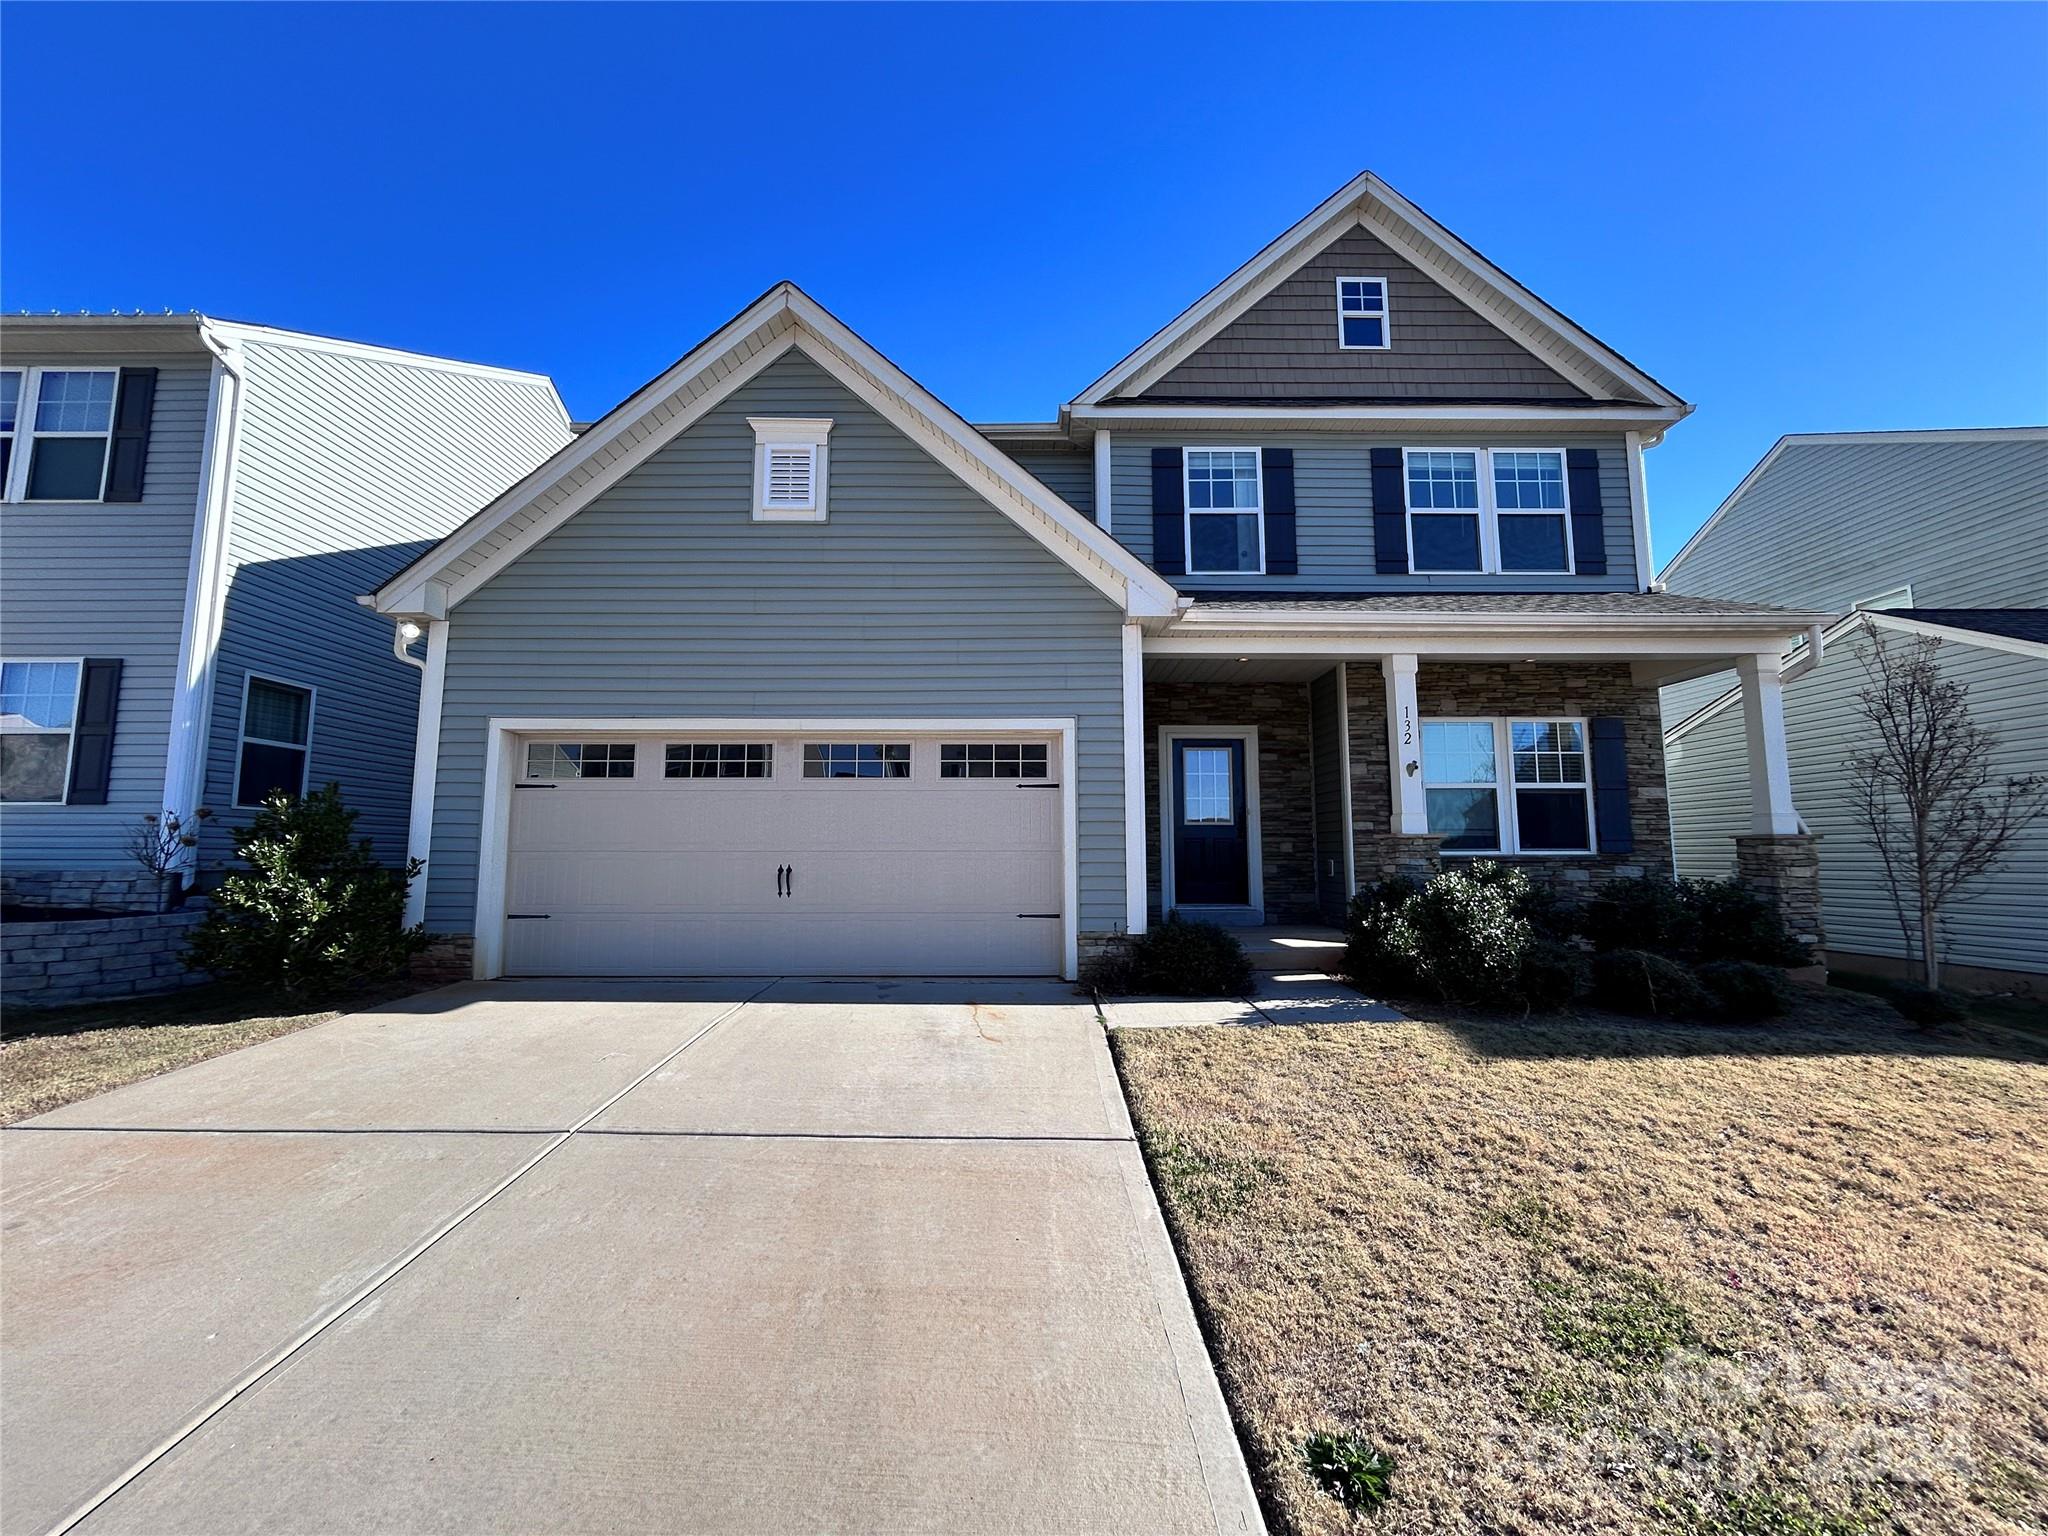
[[1925, 794], [314, 911], [159, 843]]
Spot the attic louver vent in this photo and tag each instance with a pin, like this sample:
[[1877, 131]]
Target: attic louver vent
[[792, 475]]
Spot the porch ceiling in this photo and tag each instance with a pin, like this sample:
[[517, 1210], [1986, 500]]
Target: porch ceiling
[[1230, 669]]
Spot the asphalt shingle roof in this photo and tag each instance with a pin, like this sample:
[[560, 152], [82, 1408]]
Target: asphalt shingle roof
[[2013, 623]]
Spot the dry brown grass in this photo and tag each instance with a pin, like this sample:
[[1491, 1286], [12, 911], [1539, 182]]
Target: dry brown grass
[[1598, 1275], [59, 1056]]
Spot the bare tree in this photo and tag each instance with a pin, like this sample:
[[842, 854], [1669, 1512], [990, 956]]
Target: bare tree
[[1926, 794]]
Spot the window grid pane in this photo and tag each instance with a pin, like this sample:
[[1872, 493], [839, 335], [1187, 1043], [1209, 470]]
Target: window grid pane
[[1222, 479], [75, 402], [1443, 481], [579, 760], [1528, 482], [856, 759], [1458, 752], [1207, 797], [38, 694], [1549, 752], [719, 760], [277, 713], [992, 760], [10, 398]]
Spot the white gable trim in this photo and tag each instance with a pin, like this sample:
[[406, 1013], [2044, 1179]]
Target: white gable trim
[[1469, 277], [635, 430]]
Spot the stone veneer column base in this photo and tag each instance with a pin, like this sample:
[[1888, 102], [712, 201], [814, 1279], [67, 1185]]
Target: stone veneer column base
[[1785, 869], [451, 957], [1416, 855]]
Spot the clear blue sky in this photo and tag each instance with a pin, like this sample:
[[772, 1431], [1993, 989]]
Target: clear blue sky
[[1804, 218]]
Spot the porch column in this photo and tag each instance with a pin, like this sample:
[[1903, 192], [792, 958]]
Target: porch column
[[1404, 748], [1763, 722], [1134, 777]]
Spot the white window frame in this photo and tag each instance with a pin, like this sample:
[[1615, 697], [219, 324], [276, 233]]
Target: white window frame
[[13, 434], [1384, 314], [1488, 512], [1885, 601], [70, 731], [1189, 512], [243, 738], [26, 437], [594, 739], [1504, 785], [810, 432]]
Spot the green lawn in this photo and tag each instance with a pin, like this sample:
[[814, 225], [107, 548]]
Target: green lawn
[[1586, 1274]]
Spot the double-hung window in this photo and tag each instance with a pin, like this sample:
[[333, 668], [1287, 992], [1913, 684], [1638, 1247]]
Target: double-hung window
[[1508, 786], [10, 413], [1362, 314], [1226, 533], [38, 710], [277, 736], [70, 422], [1503, 511]]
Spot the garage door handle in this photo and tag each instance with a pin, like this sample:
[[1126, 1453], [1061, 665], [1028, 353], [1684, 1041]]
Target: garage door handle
[[790, 881], [781, 874]]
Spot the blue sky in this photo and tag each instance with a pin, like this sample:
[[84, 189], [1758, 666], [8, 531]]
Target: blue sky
[[1804, 218]]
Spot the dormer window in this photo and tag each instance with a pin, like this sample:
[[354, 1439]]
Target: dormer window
[[1362, 313], [789, 468]]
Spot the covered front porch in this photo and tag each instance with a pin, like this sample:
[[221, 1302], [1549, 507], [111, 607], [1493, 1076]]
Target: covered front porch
[[1290, 758]]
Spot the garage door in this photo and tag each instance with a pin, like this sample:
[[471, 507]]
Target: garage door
[[845, 854]]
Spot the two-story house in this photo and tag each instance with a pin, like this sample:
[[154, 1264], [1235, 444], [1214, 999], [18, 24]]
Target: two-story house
[[784, 667], [1932, 534], [187, 509]]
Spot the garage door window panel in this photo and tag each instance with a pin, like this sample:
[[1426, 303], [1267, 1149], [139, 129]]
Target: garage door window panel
[[992, 760], [719, 760], [856, 759], [558, 761]]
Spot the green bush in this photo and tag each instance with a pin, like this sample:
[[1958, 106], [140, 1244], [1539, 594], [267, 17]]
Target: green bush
[[1744, 993], [1734, 922], [1689, 920], [1178, 958], [1554, 974], [1480, 933], [1648, 985], [1359, 1476], [1926, 1005], [314, 912]]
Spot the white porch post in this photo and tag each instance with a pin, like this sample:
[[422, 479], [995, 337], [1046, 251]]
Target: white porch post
[[426, 766], [1134, 776], [1404, 748], [1763, 722], [1103, 470]]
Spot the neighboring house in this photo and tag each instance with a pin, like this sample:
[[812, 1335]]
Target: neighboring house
[[782, 666], [1913, 533], [189, 508]]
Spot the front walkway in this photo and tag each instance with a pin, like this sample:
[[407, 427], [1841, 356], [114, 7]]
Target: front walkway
[[613, 1256]]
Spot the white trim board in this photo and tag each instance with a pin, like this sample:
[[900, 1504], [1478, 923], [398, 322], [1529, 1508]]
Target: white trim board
[[501, 738], [1420, 240], [1255, 848], [784, 318]]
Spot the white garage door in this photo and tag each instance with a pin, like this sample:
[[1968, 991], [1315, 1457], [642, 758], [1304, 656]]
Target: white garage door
[[751, 854]]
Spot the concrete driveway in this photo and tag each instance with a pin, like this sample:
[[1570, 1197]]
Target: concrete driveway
[[720, 1256]]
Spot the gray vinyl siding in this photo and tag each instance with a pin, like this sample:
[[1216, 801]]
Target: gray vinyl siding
[[1681, 701], [1285, 346], [348, 468], [109, 580], [1998, 924], [1068, 473], [664, 598], [1326, 748], [1333, 511], [1829, 525]]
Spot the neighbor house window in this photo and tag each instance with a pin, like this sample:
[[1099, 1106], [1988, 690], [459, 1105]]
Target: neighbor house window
[[277, 734], [70, 422], [1508, 786], [719, 760], [579, 760], [789, 468], [1898, 597], [38, 707], [992, 760], [856, 759], [1494, 510], [1361, 313], [10, 411], [1225, 512]]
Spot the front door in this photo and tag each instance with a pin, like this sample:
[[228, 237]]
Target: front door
[[1211, 842]]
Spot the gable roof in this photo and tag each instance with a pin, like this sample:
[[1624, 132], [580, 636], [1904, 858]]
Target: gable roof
[[782, 319], [1366, 200]]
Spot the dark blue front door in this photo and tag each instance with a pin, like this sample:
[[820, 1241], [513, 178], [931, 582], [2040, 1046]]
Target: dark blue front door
[[1211, 843]]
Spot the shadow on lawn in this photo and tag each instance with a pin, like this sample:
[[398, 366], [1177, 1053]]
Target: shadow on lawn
[[1819, 1023]]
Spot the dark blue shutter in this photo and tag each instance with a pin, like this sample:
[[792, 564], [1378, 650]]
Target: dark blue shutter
[[92, 734], [129, 451], [1389, 514], [1169, 506], [1610, 784], [1278, 477], [1589, 524]]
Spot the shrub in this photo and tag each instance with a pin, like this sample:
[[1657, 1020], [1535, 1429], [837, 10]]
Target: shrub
[[314, 912], [1744, 992], [1379, 948], [1649, 986], [1480, 933], [1734, 922], [1111, 970], [1690, 920], [1926, 1006], [1553, 974], [1184, 958], [1357, 1475]]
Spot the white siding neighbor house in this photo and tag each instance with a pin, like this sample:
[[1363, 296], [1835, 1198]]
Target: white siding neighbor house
[[1935, 533]]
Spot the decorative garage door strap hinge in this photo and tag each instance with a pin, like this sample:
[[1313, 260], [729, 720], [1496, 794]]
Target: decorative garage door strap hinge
[[527, 917], [1037, 786], [533, 786], [1054, 916]]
